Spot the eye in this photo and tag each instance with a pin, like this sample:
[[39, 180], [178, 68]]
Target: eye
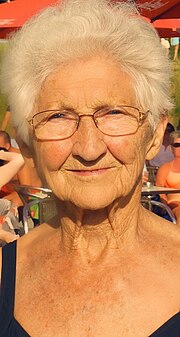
[[115, 112], [111, 112], [57, 115]]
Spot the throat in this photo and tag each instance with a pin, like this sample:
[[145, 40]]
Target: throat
[[94, 237], [91, 245]]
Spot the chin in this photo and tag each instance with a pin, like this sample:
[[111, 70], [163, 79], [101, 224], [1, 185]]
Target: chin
[[89, 205], [92, 199]]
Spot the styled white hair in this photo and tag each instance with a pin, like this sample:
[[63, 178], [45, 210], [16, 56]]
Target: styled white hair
[[76, 29]]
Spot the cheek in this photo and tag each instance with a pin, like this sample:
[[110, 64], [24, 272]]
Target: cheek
[[52, 155], [124, 150]]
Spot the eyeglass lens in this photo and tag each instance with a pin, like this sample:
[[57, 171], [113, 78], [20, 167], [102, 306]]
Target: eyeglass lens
[[62, 124]]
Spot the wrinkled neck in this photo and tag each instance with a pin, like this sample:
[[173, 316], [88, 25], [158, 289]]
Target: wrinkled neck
[[91, 234]]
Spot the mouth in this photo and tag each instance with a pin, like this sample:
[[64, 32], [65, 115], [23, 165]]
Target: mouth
[[86, 173]]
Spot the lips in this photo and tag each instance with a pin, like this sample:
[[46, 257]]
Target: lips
[[90, 172]]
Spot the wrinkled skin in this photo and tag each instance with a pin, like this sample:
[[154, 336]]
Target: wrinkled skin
[[97, 266], [83, 87], [90, 170]]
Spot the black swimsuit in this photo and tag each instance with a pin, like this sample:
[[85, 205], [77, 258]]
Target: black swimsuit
[[9, 327]]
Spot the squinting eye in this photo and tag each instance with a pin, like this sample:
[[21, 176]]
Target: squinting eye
[[56, 116], [115, 112]]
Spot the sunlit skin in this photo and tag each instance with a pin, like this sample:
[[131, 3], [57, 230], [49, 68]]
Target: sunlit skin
[[99, 262], [91, 170], [173, 200], [3, 143], [176, 151]]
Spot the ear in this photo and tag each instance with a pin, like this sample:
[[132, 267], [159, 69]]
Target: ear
[[156, 142]]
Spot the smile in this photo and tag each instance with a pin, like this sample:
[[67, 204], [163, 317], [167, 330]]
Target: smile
[[89, 172]]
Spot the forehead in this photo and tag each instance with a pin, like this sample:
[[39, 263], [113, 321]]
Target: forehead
[[85, 83]]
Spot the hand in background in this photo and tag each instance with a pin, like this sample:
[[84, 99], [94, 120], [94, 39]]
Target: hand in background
[[7, 236]]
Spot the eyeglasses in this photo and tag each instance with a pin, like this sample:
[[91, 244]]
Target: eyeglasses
[[60, 124], [176, 145]]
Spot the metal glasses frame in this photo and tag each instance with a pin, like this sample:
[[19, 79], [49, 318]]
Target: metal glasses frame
[[142, 116]]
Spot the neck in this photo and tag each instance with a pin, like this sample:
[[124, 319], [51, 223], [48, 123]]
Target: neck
[[176, 164], [176, 161], [92, 234]]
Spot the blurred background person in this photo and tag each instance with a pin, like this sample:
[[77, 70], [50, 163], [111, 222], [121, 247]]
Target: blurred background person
[[165, 153], [7, 190], [27, 175], [6, 124], [6, 119], [10, 164], [175, 45], [166, 45], [168, 175]]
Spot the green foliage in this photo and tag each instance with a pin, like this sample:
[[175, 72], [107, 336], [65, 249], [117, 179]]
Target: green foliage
[[175, 92], [3, 99]]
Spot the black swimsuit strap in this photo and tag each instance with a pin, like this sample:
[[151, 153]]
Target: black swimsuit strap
[[8, 278]]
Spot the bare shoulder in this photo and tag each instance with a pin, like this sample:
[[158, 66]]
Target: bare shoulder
[[31, 244], [166, 237], [161, 234], [164, 168], [160, 254]]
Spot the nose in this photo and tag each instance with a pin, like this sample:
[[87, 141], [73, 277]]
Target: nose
[[88, 141]]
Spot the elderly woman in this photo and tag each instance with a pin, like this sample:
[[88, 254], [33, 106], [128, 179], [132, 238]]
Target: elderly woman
[[88, 86], [168, 175]]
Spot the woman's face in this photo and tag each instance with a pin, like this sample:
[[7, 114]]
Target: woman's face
[[90, 169], [176, 150]]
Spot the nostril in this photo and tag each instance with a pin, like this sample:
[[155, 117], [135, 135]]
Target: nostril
[[88, 163]]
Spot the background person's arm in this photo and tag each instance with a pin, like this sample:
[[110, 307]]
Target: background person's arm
[[27, 175], [6, 120], [8, 237], [14, 163]]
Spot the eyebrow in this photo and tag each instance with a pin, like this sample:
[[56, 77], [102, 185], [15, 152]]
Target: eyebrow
[[94, 107], [97, 105], [63, 106]]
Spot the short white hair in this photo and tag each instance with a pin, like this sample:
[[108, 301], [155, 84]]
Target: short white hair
[[76, 29]]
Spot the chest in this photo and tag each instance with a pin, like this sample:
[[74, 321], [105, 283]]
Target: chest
[[173, 179], [94, 305]]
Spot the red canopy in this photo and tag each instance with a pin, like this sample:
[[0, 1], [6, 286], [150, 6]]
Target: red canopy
[[15, 13], [167, 27], [161, 9], [167, 23]]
